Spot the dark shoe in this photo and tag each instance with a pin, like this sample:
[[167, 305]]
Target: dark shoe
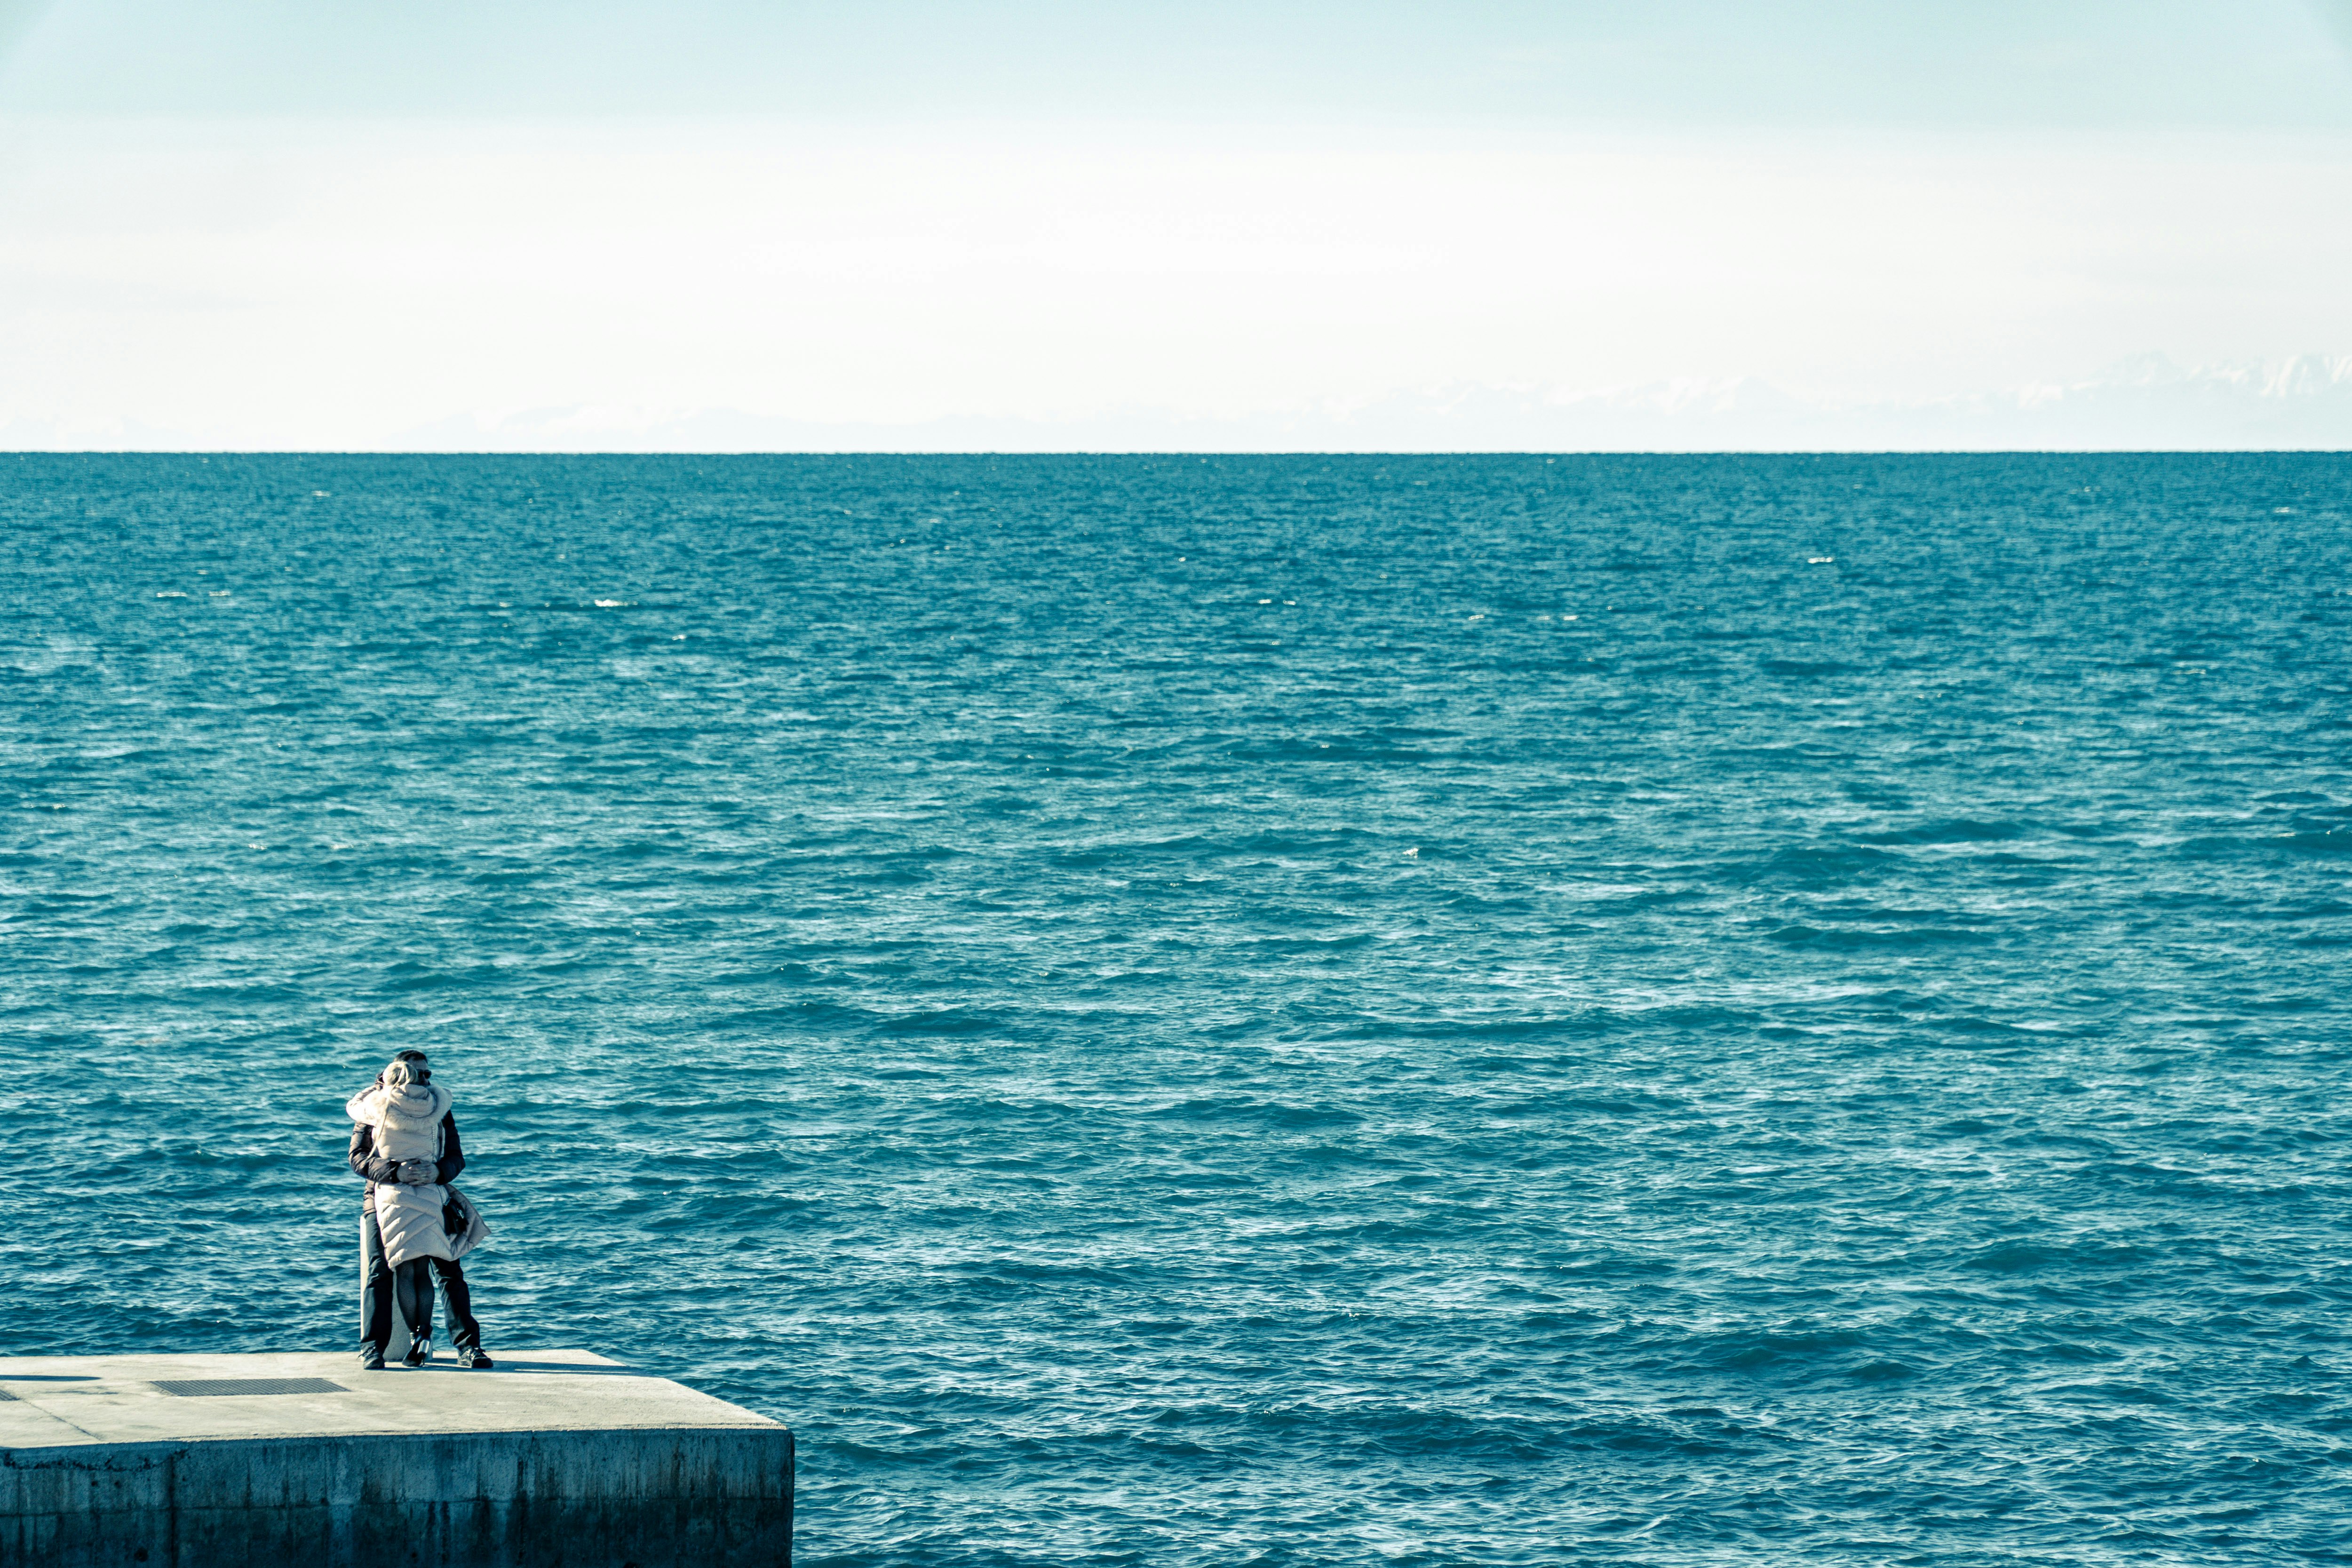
[[419, 1353], [475, 1356], [371, 1358]]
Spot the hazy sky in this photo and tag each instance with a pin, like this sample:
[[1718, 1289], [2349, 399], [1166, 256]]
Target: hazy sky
[[333, 224]]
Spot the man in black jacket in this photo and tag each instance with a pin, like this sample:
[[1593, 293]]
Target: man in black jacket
[[375, 1329]]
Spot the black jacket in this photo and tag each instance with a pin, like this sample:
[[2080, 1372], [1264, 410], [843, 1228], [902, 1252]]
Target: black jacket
[[367, 1166]]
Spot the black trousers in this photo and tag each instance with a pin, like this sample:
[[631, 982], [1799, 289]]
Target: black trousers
[[376, 1301]]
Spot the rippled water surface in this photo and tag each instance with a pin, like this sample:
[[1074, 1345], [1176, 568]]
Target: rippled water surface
[[1169, 1011]]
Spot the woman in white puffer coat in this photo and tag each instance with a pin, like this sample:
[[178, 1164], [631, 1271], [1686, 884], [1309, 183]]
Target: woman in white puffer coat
[[403, 1142]]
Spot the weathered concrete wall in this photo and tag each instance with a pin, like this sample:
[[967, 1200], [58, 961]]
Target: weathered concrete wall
[[661, 1498]]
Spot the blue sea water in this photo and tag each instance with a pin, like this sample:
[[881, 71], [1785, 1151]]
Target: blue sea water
[[1241, 1010]]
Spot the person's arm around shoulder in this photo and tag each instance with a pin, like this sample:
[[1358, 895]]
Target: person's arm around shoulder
[[453, 1153]]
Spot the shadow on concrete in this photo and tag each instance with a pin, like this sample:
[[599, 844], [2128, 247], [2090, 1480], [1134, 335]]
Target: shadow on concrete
[[510, 1364]]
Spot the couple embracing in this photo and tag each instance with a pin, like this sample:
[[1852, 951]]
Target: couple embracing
[[414, 1225]]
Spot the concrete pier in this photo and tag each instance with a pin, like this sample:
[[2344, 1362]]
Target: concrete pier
[[556, 1460]]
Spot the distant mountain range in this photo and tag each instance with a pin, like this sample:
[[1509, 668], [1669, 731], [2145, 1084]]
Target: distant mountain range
[[2144, 404]]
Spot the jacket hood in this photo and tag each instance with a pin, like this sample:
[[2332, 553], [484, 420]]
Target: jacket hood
[[401, 1107]]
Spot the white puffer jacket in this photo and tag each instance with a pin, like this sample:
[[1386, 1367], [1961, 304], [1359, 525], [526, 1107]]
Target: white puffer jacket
[[410, 1221], [406, 1119]]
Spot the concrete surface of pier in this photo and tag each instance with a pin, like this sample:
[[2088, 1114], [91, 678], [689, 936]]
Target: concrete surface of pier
[[557, 1458]]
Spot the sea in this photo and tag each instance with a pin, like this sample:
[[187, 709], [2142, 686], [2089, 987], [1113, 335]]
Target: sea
[[1181, 1010]]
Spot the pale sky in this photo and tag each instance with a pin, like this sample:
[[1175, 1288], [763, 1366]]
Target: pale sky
[[351, 227]]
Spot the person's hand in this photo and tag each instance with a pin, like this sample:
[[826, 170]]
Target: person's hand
[[417, 1173]]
